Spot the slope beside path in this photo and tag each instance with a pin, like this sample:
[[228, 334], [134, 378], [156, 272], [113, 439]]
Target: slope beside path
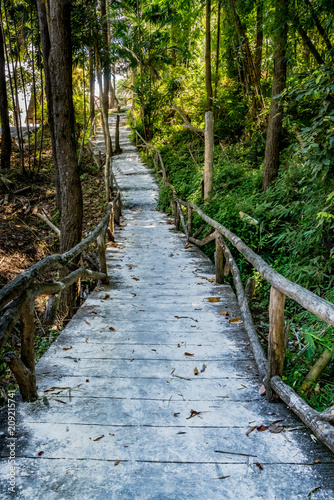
[[122, 413]]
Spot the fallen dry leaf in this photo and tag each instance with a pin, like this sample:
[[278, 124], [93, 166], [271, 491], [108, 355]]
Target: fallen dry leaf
[[195, 371], [106, 296], [203, 368], [178, 345], [86, 340], [259, 465], [213, 299], [117, 462], [236, 321], [262, 428], [131, 265], [188, 354], [86, 322], [87, 380], [276, 429], [40, 453], [111, 243], [262, 390], [193, 413], [111, 329], [67, 348], [176, 414], [212, 280], [98, 439], [60, 401], [224, 313], [250, 430], [136, 279]]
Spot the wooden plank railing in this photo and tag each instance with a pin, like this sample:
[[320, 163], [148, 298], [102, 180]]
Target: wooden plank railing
[[271, 369], [17, 298]]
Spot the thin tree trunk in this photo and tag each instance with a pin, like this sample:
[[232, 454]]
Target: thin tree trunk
[[308, 42], [35, 96], [273, 142], [91, 84], [6, 144], [319, 26], [217, 49], [14, 91], [259, 42], [42, 125], [250, 72], [208, 82], [208, 155], [24, 91]]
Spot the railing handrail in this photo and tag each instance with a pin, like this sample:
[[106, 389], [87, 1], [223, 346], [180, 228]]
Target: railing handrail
[[17, 298], [307, 299], [270, 370]]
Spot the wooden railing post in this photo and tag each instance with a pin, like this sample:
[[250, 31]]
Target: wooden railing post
[[101, 246], [219, 260], [190, 222], [23, 368], [276, 348], [118, 149], [111, 225], [51, 309], [118, 211], [176, 215]]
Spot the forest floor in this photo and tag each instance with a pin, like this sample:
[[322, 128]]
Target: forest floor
[[25, 239]]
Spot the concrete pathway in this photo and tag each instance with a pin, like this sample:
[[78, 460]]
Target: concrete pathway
[[122, 413]]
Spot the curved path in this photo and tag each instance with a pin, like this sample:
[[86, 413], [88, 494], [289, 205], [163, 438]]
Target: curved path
[[122, 414]]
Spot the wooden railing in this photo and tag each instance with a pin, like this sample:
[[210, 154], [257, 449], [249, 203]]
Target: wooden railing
[[271, 369], [17, 298]]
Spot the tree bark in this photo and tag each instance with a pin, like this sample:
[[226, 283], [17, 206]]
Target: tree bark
[[319, 26], [208, 154], [6, 145], [91, 84], [276, 350], [46, 46], [60, 67], [274, 131], [208, 81], [259, 42], [217, 49]]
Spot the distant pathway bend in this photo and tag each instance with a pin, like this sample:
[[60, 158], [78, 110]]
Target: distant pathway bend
[[123, 414]]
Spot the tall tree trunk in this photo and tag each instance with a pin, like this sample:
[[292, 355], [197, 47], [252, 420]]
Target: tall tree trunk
[[91, 84], [217, 49], [45, 46], [259, 42], [319, 26], [250, 72], [208, 81], [308, 42], [133, 72], [105, 58], [6, 145], [57, 56], [273, 142], [60, 66]]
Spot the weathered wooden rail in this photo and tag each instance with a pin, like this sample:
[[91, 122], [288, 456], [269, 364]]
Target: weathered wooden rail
[[17, 298], [271, 369]]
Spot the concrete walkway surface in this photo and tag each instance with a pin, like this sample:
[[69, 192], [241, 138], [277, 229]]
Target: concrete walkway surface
[[122, 413]]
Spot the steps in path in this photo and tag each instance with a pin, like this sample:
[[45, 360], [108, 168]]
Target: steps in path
[[117, 388]]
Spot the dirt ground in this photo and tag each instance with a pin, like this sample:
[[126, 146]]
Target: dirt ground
[[25, 239]]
